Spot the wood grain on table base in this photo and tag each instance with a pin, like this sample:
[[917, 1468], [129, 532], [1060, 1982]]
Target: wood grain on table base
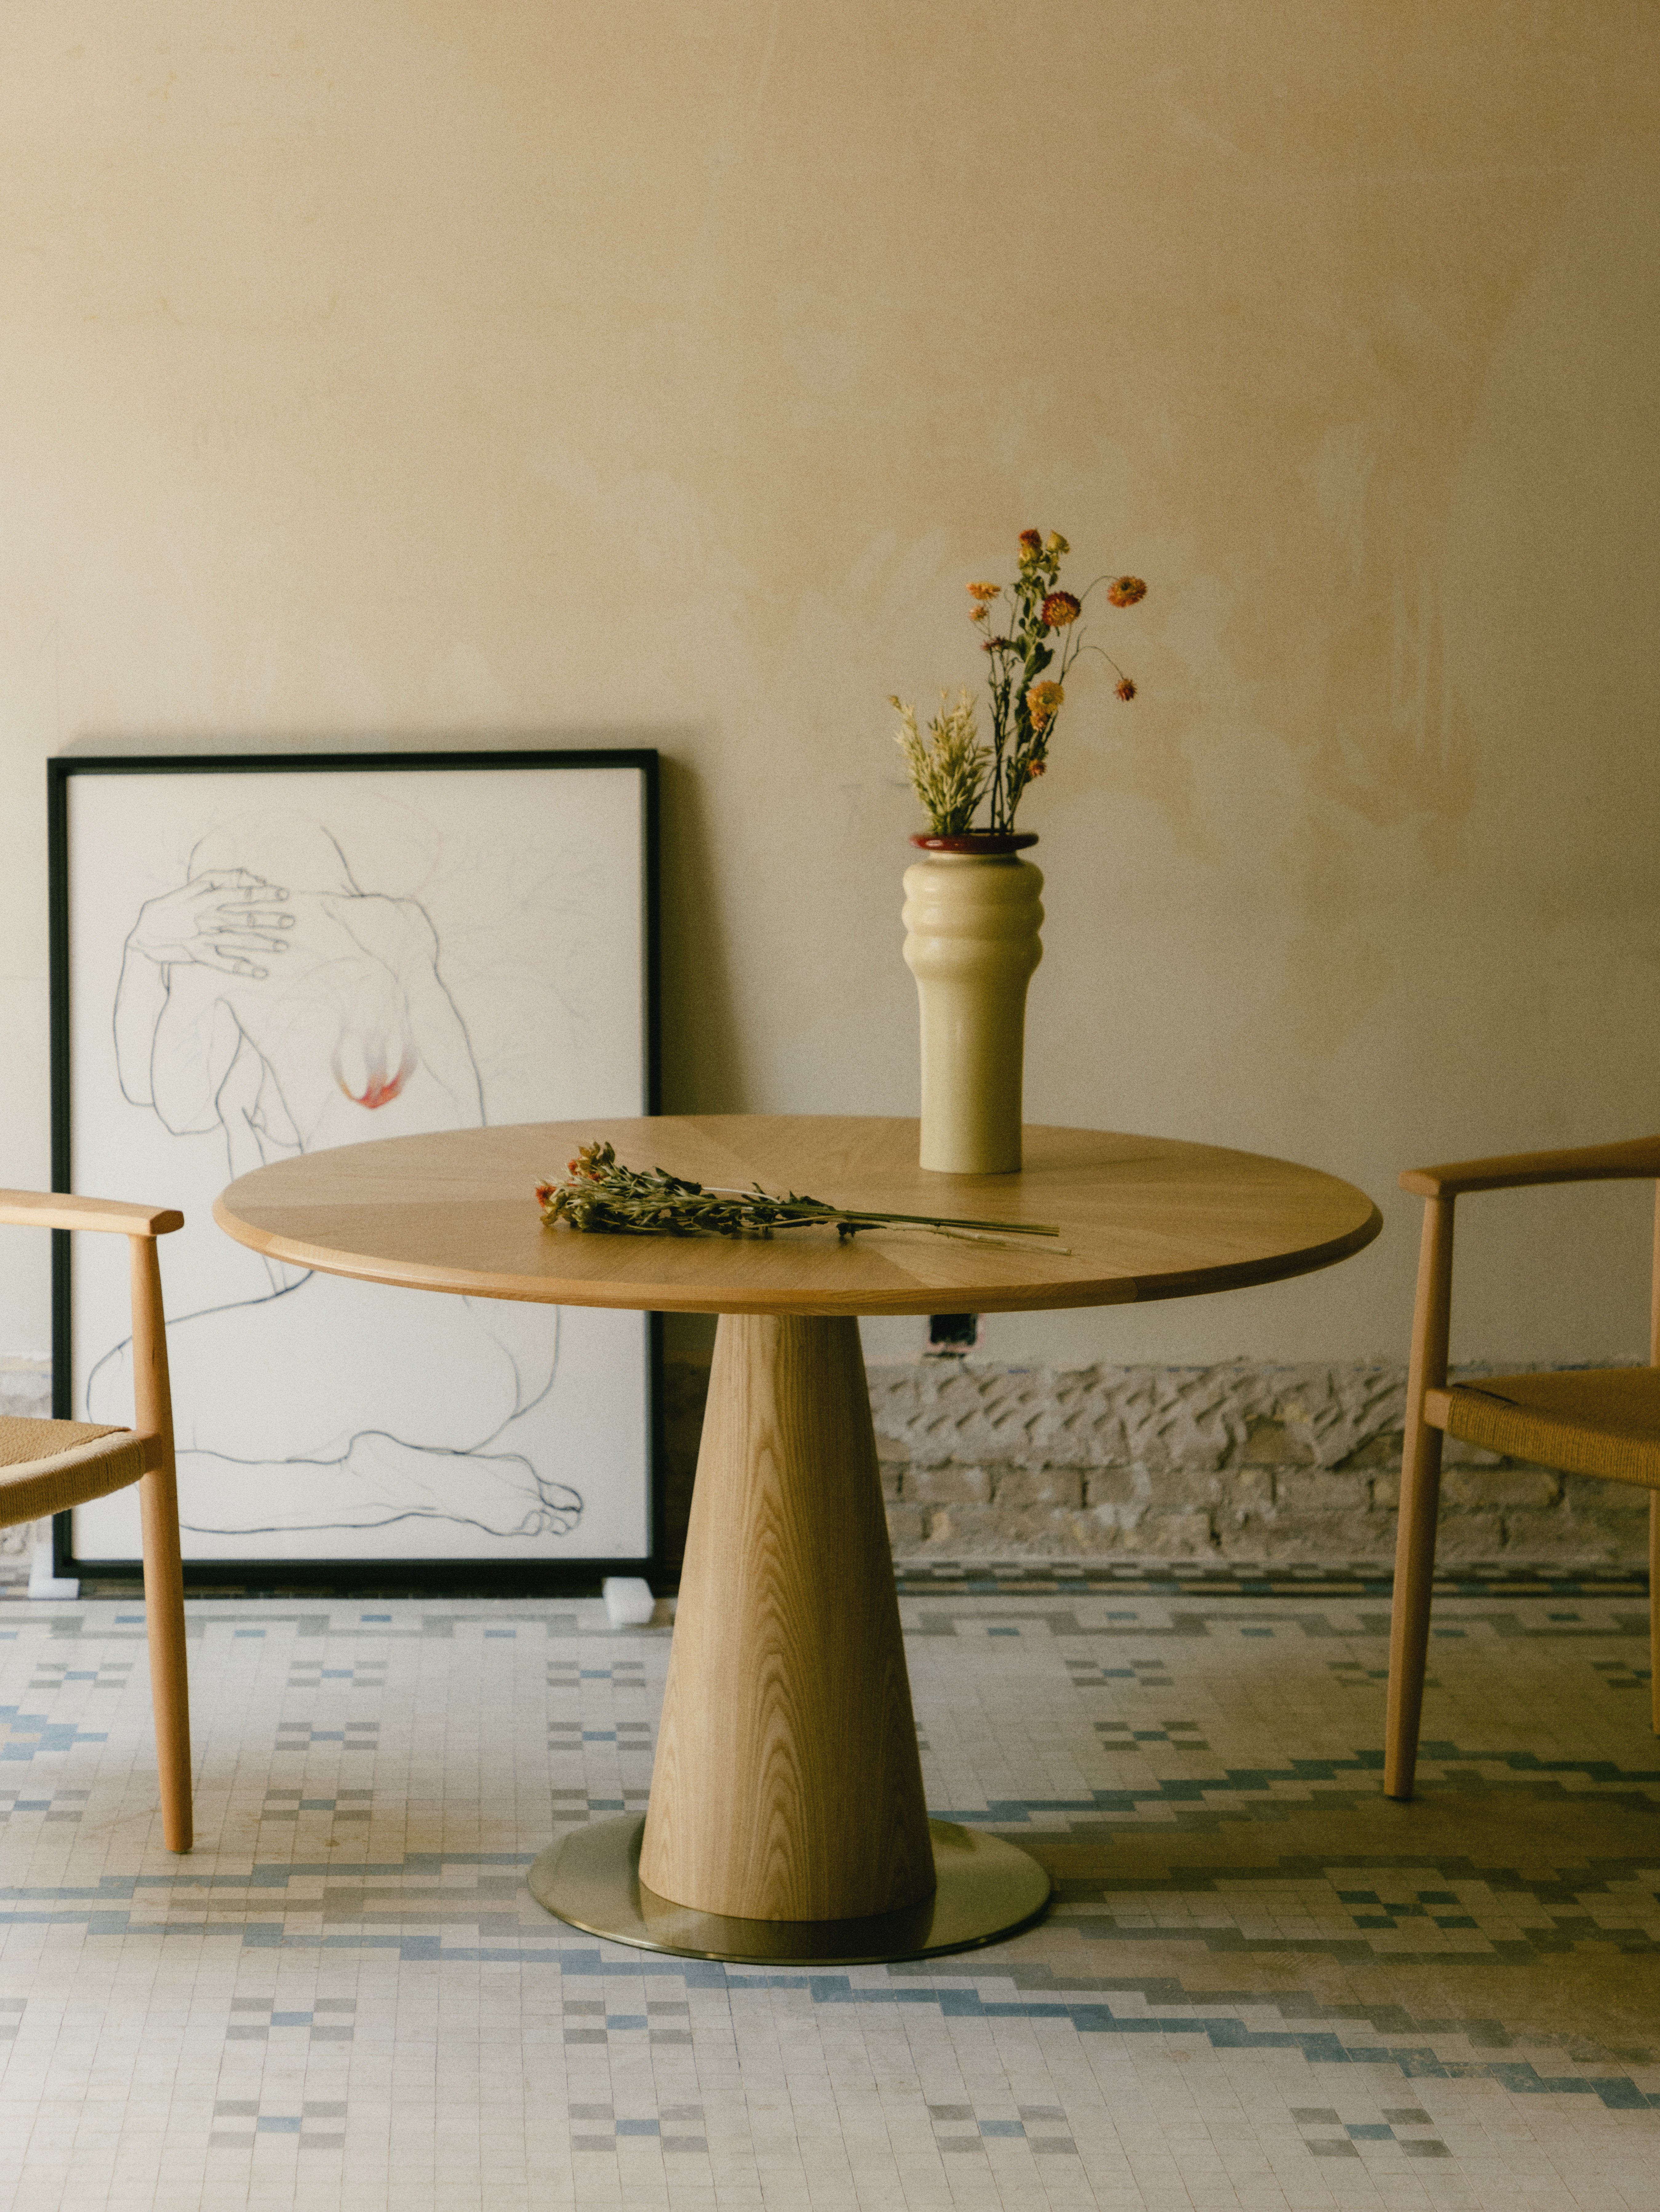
[[1143, 1218], [786, 1784]]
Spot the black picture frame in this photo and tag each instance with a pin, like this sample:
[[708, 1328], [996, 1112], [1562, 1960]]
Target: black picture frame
[[369, 1575]]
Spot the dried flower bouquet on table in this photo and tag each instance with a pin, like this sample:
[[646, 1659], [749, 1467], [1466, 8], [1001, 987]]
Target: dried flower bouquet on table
[[602, 1194], [951, 771]]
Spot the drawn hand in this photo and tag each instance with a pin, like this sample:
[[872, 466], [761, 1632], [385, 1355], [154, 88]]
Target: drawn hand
[[230, 922]]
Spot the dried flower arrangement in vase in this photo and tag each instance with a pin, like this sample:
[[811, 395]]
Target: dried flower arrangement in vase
[[972, 910]]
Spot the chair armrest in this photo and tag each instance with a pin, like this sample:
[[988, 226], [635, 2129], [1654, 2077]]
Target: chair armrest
[[57, 1209], [1638, 1160]]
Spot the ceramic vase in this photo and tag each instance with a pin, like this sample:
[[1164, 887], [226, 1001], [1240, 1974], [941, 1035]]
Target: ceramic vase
[[971, 916]]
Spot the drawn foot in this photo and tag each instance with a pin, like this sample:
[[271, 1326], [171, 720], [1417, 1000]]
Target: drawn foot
[[498, 1492]]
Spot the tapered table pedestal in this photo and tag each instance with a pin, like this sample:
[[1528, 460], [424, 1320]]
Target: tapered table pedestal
[[786, 1816], [787, 1821]]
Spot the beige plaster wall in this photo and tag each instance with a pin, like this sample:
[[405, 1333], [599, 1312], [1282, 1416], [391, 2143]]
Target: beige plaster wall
[[661, 374]]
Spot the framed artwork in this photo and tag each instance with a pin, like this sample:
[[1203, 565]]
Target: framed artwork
[[256, 956]]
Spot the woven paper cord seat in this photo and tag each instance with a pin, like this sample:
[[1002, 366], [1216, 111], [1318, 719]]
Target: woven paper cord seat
[[22, 1439], [1590, 1420], [47, 1467], [1603, 1421]]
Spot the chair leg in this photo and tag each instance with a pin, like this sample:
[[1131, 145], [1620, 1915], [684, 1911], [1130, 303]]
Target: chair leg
[[164, 1575], [1654, 1495], [164, 1618], [1409, 1621], [1420, 1499]]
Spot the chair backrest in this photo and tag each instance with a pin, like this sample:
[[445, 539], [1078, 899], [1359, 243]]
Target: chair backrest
[[59, 1209], [1636, 1160], [140, 1225]]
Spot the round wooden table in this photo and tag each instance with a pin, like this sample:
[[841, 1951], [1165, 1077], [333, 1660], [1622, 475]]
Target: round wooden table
[[787, 1821]]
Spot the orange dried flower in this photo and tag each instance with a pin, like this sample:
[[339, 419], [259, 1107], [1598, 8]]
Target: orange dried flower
[[1044, 702], [1032, 541], [1034, 769], [1125, 591], [1124, 688], [1062, 608], [985, 591]]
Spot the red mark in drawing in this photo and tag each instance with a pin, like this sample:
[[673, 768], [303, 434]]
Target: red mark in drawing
[[367, 1072]]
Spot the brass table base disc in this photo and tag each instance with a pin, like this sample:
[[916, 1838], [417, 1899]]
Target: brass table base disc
[[987, 1889]]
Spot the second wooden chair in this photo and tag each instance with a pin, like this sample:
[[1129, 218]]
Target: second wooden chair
[[1601, 1421]]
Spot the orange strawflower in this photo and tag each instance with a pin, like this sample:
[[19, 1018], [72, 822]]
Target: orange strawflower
[[1125, 591], [1032, 541], [1124, 688], [985, 591], [1044, 702], [1062, 608]]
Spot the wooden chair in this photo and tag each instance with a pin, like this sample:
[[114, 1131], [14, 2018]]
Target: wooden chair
[[1603, 1421], [48, 1466]]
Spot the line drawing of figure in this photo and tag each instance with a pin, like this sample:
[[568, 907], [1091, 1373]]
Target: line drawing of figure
[[270, 997]]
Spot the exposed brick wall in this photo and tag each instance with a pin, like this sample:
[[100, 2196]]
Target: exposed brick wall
[[1235, 1463], [1240, 1462]]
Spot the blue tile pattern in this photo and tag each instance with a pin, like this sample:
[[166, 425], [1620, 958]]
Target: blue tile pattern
[[1258, 1976]]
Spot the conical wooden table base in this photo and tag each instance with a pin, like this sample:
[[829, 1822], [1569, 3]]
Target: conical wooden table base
[[786, 1818]]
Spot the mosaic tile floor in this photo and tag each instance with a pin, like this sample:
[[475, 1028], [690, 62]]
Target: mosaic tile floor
[[1262, 1986]]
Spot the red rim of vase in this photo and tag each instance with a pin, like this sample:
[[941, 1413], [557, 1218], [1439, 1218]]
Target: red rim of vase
[[991, 843]]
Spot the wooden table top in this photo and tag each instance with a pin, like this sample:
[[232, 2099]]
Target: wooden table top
[[1142, 1218]]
